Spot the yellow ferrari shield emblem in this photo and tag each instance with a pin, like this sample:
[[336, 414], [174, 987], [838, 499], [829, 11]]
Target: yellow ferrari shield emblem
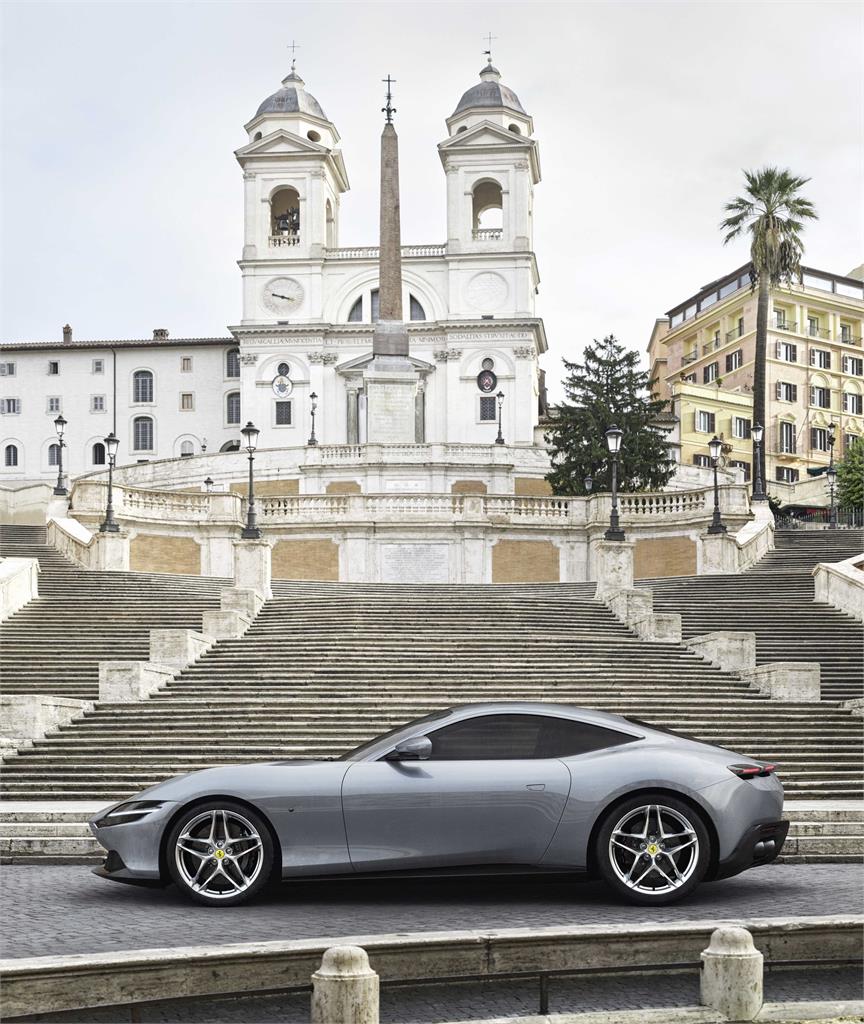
[[653, 849], [220, 854]]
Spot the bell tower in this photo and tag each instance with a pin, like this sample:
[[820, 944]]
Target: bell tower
[[293, 178]]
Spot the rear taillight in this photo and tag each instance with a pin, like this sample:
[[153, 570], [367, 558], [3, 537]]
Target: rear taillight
[[751, 771]]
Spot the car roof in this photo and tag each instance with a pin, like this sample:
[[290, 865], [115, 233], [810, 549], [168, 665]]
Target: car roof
[[534, 707]]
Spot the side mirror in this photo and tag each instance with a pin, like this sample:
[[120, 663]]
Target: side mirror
[[418, 748]]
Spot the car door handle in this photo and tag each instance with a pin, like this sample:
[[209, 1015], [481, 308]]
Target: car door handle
[[537, 787]]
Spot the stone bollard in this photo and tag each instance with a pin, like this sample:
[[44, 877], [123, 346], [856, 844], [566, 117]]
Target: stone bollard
[[345, 988], [731, 980]]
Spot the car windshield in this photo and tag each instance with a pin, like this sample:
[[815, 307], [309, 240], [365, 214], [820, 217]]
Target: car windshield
[[389, 738]]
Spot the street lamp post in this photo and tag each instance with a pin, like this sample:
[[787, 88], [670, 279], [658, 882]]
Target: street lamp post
[[758, 484], [108, 524], [831, 473], [60, 427], [613, 443], [251, 532], [208, 484], [715, 446], [500, 398], [589, 483], [313, 400]]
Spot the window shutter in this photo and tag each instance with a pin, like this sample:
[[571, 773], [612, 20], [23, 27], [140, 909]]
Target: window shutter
[[4, 369], [777, 350], [793, 353], [812, 395], [845, 364], [778, 389], [712, 423]]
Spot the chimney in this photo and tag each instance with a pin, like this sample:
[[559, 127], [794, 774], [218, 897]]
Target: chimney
[[67, 334], [160, 334]]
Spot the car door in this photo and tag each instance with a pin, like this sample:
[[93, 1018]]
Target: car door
[[483, 797]]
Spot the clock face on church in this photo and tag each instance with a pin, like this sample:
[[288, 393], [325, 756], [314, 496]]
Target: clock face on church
[[282, 295]]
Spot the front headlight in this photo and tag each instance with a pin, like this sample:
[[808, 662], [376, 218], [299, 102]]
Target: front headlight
[[124, 814]]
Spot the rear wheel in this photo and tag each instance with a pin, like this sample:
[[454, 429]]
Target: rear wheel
[[220, 853], [653, 849]]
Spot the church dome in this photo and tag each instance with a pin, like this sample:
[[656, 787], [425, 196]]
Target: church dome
[[292, 98], [489, 92]]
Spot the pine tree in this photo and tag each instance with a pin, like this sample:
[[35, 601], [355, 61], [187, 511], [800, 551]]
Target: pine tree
[[850, 477], [608, 389]]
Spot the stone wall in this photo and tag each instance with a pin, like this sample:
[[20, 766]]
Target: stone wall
[[525, 561], [664, 556], [306, 559], [153, 552]]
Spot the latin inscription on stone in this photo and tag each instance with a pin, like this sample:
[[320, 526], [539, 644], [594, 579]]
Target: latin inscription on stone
[[390, 412], [415, 563]]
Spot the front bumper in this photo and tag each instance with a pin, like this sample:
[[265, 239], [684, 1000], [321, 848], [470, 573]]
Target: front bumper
[[133, 847], [759, 845]]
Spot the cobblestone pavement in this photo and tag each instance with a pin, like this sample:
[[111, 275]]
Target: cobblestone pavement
[[63, 909], [431, 1004]]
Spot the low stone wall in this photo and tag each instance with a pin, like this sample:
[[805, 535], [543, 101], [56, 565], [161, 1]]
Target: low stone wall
[[19, 584], [841, 584], [28, 717], [25, 504]]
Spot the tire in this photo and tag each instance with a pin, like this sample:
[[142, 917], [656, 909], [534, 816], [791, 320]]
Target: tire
[[653, 876], [215, 868]]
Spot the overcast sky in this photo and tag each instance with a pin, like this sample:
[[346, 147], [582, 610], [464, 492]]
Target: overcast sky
[[122, 201]]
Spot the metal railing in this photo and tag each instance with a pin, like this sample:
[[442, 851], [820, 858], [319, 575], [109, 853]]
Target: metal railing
[[820, 518], [818, 332], [785, 325], [690, 357], [736, 333]]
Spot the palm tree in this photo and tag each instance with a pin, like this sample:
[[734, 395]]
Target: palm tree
[[772, 211]]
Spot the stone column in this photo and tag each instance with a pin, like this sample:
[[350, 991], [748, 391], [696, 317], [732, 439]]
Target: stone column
[[731, 979], [345, 988], [613, 566], [352, 391], [420, 413], [252, 566], [111, 552]]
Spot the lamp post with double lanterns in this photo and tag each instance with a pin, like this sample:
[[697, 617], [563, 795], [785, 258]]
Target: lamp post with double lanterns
[[108, 524], [60, 427], [500, 399], [758, 494], [250, 531], [613, 443], [715, 447], [313, 405]]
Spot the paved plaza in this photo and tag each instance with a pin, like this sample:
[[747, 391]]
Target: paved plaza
[[56, 910]]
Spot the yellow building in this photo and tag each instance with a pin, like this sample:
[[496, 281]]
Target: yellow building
[[702, 355]]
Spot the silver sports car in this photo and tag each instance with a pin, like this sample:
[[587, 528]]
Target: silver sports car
[[486, 788]]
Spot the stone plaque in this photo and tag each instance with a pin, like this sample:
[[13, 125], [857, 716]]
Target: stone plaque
[[415, 563], [390, 411]]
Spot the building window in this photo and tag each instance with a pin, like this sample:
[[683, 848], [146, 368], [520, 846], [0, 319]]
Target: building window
[[702, 460], [283, 414], [705, 421], [787, 352], [845, 332], [740, 326], [852, 403], [7, 369], [787, 438], [10, 456], [734, 360], [786, 392], [232, 362], [53, 404], [356, 313], [187, 449], [187, 401], [10, 406], [689, 378], [740, 427], [98, 454], [488, 409], [848, 441], [745, 466], [821, 358], [820, 397], [97, 366], [142, 386], [853, 365], [232, 408], [710, 373], [819, 439], [97, 403], [186, 364], [53, 368], [142, 434], [786, 475], [781, 322], [54, 454], [417, 312]]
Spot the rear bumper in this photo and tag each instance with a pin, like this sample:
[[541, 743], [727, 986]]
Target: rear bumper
[[759, 845]]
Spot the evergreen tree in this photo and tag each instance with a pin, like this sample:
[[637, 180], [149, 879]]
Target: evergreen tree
[[850, 477], [608, 389]]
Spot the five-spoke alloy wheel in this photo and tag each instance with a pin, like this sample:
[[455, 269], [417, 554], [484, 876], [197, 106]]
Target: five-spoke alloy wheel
[[220, 853], [653, 849]]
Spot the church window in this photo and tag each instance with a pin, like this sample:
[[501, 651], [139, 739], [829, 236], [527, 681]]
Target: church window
[[230, 446], [417, 311], [53, 368], [283, 414], [186, 364], [375, 299], [514, 128], [53, 404], [187, 401], [142, 386], [488, 409], [7, 369], [98, 454], [232, 408], [285, 217], [356, 314], [98, 366], [258, 137], [462, 128], [488, 364], [142, 434], [232, 362], [313, 136], [54, 454], [284, 370], [97, 403], [10, 456], [10, 406], [487, 207], [187, 449], [331, 225]]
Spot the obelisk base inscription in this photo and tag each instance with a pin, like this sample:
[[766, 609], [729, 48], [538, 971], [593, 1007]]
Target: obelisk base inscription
[[391, 401]]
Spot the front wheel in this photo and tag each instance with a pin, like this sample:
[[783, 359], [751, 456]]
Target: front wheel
[[220, 853], [653, 849]]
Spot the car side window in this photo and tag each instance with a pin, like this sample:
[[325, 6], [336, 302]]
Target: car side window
[[565, 737], [488, 738]]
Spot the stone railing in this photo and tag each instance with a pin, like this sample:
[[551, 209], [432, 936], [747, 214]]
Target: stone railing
[[487, 234], [681, 504], [735, 552], [25, 504], [19, 584], [71, 539], [89, 498], [288, 238], [841, 584], [370, 252]]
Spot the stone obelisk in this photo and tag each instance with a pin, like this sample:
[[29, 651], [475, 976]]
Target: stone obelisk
[[391, 379]]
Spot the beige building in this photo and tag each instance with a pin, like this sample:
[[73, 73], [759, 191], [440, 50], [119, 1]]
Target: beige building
[[702, 355]]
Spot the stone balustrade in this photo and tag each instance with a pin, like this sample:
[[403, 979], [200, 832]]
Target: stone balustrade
[[371, 252], [19, 584], [841, 584]]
